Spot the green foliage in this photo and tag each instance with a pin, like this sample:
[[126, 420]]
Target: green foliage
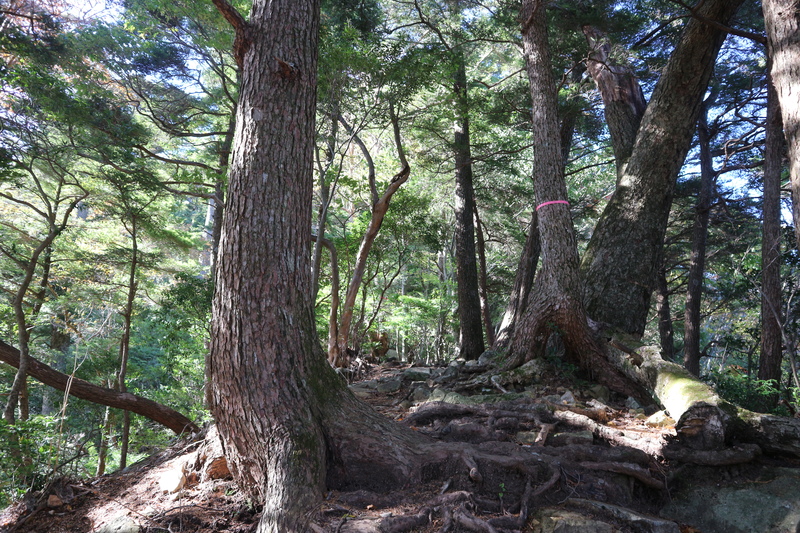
[[736, 386], [31, 450]]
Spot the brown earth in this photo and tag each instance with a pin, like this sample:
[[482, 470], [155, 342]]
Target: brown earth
[[599, 452]]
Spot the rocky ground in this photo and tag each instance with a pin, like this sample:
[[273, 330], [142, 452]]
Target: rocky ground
[[589, 462]]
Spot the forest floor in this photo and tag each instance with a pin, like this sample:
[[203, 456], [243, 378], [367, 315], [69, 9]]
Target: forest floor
[[599, 483]]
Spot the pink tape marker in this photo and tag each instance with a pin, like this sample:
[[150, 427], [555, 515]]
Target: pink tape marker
[[552, 202]]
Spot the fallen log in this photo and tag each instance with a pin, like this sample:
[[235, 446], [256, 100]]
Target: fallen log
[[88, 391], [705, 420]]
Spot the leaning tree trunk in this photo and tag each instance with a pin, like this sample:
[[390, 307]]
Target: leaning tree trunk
[[286, 419], [469, 305], [380, 206], [769, 364], [782, 21], [100, 395], [624, 253], [555, 303], [705, 421]]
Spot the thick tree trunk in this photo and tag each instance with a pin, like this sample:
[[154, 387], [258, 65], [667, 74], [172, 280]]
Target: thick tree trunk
[[555, 303], [782, 21], [697, 261], [769, 365], [100, 395], [705, 421], [286, 419], [624, 253], [471, 344]]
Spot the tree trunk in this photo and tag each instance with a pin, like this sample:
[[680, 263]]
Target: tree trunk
[[380, 205], [471, 344], [100, 395], [523, 281], [705, 421], [286, 419], [556, 304], [624, 253], [769, 365], [486, 312], [782, 21], [125, 340], [666, 333], [697, 261], [623, 98]]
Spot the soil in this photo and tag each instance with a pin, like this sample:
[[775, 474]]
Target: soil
[[578, 465]]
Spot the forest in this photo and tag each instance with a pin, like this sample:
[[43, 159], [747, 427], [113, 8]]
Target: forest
[[213, 209]]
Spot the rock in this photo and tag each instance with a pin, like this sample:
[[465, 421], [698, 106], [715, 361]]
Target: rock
[[526, 437], [600, 392], [768, 504], [54, 501], [631, 403], [567, 399], [489, 357], [416, 374], [421, 393], [171, 481], [660, 420], [218, 469], [122, 524], [389, 386]]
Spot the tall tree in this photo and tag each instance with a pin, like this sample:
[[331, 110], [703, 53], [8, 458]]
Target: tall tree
[[286, 419], [555, 303], [697, 260], [624, 253], [769, 364], [782, 21]]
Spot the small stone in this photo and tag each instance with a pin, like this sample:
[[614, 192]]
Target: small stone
[[171, 481], [567, 399], [631, 403], [660, 420], [54, 501]]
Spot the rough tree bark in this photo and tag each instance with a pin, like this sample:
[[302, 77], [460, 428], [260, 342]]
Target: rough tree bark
[[555, 303], [624, 253], [287, 421], [666, 332], [782, 21], [697, 260], [88, 391], [623, 98], [471, 344], [769, 364]]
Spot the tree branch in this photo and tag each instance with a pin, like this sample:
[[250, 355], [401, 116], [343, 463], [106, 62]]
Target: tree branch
[[88, 391]]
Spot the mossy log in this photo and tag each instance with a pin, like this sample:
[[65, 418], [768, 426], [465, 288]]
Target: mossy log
[[705, 420]]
